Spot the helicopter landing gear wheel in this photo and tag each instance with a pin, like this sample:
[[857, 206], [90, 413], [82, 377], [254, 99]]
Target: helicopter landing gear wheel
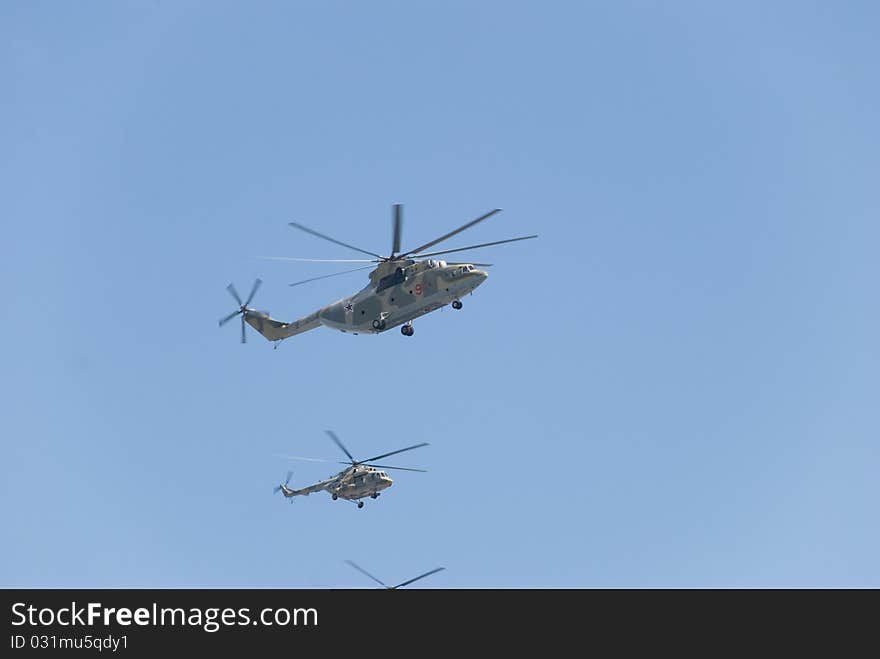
[[374, 495], [334, 497], [360, 504], [456, 304], [407, 330], [378, 324]]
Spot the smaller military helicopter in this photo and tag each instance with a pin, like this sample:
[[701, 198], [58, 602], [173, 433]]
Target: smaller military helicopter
[[384, 585], [359, 480]]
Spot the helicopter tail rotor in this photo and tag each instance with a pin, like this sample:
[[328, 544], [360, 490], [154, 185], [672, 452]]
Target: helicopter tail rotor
[[284, 488], [244, 310]]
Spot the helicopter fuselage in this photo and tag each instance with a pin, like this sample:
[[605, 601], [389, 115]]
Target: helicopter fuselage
[[354, 483], [360, 482], [400, 292]]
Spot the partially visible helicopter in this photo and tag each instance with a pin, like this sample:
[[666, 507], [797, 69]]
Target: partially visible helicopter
[[384, 585], [401, 288], [355, 482]]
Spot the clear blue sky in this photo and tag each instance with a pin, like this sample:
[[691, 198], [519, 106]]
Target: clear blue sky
[[675, 385]]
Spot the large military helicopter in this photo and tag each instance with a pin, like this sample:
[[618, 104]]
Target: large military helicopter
[[357, 481], [403, 286], [384, 585]]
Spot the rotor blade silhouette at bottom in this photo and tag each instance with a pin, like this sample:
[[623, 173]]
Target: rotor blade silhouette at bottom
[[363, 571], [421, 576]]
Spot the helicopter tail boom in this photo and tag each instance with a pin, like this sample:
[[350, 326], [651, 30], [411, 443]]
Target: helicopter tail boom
[[275, 330]]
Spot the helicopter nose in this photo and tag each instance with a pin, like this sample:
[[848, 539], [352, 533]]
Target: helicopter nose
[[476, 278]]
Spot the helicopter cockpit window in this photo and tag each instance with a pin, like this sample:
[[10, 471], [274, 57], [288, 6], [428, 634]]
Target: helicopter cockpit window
[[396, 277]]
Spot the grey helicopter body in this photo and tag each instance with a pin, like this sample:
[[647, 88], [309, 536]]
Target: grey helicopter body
[[402, 287], [351, 484], [409, 289], [357, 481]]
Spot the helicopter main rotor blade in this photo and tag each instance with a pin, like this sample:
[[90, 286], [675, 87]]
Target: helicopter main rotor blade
[[299, 457], [234, 293], [363, 571], [333, 240], [257, 283], [371, 464], [421, 576], [243, 335], [385, 455], [482, 265], [308, 260], [229, 317], [341, 445], [395, 243], [344, 272], [461, 249], [451, 233]]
